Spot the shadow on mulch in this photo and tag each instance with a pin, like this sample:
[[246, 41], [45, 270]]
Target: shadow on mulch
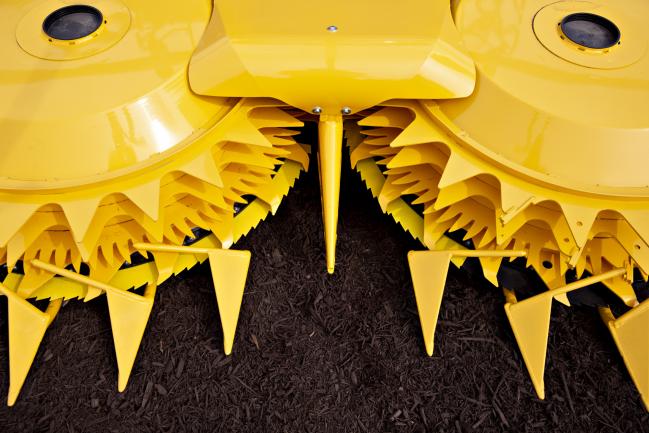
[[323, 353]]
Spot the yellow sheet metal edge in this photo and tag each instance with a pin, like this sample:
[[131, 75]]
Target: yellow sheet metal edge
[[332, 55]]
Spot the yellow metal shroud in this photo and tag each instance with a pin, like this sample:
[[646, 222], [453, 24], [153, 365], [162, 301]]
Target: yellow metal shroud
[[332, 55]]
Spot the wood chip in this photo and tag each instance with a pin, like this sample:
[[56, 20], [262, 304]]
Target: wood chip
[[147, 394], [181, 366]]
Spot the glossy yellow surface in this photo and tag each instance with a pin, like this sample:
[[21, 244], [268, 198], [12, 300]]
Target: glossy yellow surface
[[229, 274], [73, 121], [428, 270], [545, 157], [631, 47], [549, 118], [53, 241], [411, 149], [129, 314], [330, 132], [104, 146], [534, 147], [27, 326], [117, 22], [323, 59], [630, 334], [530, 322], [331, 54]]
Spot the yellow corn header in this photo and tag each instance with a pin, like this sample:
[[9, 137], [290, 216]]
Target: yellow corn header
[[141, 138]]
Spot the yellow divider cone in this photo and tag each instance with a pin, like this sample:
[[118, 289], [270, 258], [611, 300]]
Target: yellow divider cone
[[631, 334], [330, 134], [229, 273], [530, 322], [428, 270], [27, 326], [129, 314]]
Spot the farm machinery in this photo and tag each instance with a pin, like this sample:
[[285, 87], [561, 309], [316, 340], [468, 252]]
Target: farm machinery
[[141, 138]]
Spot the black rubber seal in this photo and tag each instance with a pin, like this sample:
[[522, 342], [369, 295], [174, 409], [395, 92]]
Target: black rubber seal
[[72, 22], [590, 30]]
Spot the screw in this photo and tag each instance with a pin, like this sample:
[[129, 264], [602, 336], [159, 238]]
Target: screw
[[332, 29], [317, 110], [346, 111]]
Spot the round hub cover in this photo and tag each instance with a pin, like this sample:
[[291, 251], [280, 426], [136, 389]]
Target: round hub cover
[[72, 22], [590, 30], [548, 103], [120, 103]]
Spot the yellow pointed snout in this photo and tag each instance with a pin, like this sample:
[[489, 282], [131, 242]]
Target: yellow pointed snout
[[330, 131]]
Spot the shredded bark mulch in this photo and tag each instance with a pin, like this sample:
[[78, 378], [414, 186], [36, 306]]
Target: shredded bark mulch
[[321, 353]]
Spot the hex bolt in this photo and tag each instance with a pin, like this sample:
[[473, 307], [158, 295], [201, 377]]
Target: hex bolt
[[317, 110], [346, 111]]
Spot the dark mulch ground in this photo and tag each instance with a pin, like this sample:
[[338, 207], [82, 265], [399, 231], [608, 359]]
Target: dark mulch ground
[[323, 353]]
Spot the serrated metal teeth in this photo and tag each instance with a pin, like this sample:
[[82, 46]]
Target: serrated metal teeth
[[75, 244], [425, 172], [196, 191]]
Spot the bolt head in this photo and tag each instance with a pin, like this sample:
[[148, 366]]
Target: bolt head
[[317, 110], [332, 29], [346, 111]]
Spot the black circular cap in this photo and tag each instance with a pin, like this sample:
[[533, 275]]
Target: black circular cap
[[590, 30], [72, 22]]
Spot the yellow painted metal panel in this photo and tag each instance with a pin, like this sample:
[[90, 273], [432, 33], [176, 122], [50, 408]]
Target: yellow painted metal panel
[[332, 54]]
